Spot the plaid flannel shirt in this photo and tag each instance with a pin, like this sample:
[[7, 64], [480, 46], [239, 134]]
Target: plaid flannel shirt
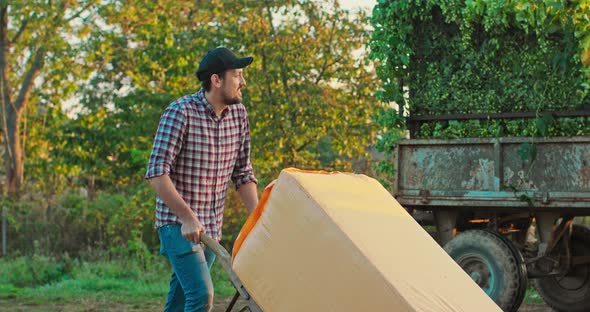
[[201, 152]]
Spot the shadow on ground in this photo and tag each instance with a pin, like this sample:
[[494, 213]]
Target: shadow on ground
[[222, 304]]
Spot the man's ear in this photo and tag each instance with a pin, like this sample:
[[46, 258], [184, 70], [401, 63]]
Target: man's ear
[[216, 80]]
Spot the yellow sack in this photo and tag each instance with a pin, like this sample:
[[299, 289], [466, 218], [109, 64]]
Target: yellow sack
[[323, 241]]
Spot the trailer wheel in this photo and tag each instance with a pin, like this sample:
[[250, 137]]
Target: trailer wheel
[[493, 263], [572, 291]]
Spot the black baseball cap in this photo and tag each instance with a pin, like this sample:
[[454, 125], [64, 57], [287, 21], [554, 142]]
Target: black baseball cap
[[218, 60]]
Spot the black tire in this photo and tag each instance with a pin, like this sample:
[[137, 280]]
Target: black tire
[[493, 263], [572, 291], [524, 280]]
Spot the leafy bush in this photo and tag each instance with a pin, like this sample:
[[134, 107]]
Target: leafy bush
[[462, 56], [112, 225], [539, 127], [119, 224], [34, 270]]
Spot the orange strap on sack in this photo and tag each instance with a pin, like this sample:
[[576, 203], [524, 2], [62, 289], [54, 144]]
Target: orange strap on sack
[[255, 215]]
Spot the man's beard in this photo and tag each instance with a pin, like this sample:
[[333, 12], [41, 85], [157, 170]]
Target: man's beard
[[229, 100]]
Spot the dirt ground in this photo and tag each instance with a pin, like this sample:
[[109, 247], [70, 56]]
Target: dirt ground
[[219, 306], [533, 308]]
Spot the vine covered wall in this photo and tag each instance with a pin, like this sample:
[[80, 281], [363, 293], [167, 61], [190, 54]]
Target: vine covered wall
[[483, 57]]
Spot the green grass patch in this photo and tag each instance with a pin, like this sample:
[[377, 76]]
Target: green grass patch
[[532, 296], [121, 281], [221, 282]]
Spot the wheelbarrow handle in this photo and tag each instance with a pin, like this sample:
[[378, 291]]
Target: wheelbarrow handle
[[225, 260], [219, 251]]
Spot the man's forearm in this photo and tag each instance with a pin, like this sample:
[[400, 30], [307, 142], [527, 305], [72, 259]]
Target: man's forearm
[[249, 196], [167, 192]]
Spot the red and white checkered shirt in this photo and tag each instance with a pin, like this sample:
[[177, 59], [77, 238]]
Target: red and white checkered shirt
[[201, 153]]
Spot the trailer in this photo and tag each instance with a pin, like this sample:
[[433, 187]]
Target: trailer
[[486, 196]]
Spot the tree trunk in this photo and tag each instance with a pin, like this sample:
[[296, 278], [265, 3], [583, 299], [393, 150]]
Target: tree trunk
[[13, 157], [4, 88], [91, 187], [12, 109]]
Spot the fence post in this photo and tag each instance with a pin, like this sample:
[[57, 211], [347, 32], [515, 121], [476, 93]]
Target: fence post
[[3, 231]]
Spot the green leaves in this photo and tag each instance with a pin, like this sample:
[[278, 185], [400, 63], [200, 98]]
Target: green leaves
[[309, 92], [527, 152], [478, 56]]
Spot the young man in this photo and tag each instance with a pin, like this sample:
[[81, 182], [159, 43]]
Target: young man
[[202, 142]]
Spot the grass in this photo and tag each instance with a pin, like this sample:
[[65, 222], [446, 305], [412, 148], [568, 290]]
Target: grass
[[532, 296], [91, 283]]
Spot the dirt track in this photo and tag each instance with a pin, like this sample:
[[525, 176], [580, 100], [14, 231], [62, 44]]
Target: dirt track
[[219, 306], [534, 308]]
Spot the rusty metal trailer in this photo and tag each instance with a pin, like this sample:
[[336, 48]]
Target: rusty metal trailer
[[485, 196]]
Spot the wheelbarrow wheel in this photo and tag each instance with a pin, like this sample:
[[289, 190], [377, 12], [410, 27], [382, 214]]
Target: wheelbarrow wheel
[[493, 263]]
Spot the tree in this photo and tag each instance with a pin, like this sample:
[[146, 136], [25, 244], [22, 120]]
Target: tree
[[139, 60], [310, 85], [38, 54], [107, 149], [310, 90], [309, 95]]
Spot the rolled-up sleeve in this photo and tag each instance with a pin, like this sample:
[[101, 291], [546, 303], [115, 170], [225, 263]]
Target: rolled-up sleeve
[[243, 172], [167, 142]]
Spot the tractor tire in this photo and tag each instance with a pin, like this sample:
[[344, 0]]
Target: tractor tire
[[570, 292], [493, 263]]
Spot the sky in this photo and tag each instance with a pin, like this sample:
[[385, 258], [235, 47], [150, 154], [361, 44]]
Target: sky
[[355, 4]]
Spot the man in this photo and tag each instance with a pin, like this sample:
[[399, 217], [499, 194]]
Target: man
[[202, 142]]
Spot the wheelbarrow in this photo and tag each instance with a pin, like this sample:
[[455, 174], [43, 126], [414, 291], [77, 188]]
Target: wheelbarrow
[[225, 259]]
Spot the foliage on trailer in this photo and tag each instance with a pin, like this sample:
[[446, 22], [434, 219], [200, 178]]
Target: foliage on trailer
[[484, 56]]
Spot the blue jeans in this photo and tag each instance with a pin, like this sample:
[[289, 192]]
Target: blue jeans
[[191, 288]]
